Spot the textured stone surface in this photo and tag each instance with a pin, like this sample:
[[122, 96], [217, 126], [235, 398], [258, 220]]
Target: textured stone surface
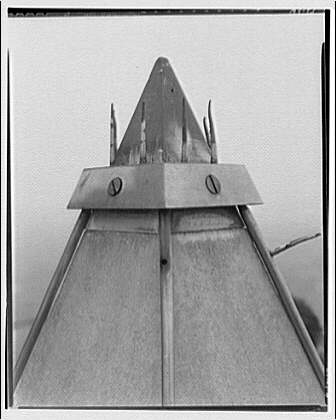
[[101, 343], [234, 344]]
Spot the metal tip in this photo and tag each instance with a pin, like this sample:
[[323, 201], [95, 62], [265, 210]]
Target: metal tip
[[163, 99], [162, 61], [212, 136], [210, 121], [209, 107]]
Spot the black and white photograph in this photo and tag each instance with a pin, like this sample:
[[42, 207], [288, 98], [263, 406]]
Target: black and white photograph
[[168, 209]]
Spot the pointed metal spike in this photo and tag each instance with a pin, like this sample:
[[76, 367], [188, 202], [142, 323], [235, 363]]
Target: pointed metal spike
[[143, 135], [206, 132], [214, 158], [210, 120], [113, 136]]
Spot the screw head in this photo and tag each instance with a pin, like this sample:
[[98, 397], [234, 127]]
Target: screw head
[[114, 186], [213, 185]]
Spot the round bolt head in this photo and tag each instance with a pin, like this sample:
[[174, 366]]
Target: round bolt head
[[213, 185], [115, 186]]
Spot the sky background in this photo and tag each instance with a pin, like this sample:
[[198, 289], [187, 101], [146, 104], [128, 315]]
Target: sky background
[[262, 74]]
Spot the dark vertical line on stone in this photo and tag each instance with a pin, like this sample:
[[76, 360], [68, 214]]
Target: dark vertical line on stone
[[167, 321]]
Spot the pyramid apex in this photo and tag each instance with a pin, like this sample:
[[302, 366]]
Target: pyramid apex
[[162, 118], [162, 62]]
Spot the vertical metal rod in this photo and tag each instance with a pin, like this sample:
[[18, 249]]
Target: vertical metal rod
[[214, 158], [167, 321], [9, 294], [206, 131], [184, 134], [113, 136], [284, 293], [143, 135]]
